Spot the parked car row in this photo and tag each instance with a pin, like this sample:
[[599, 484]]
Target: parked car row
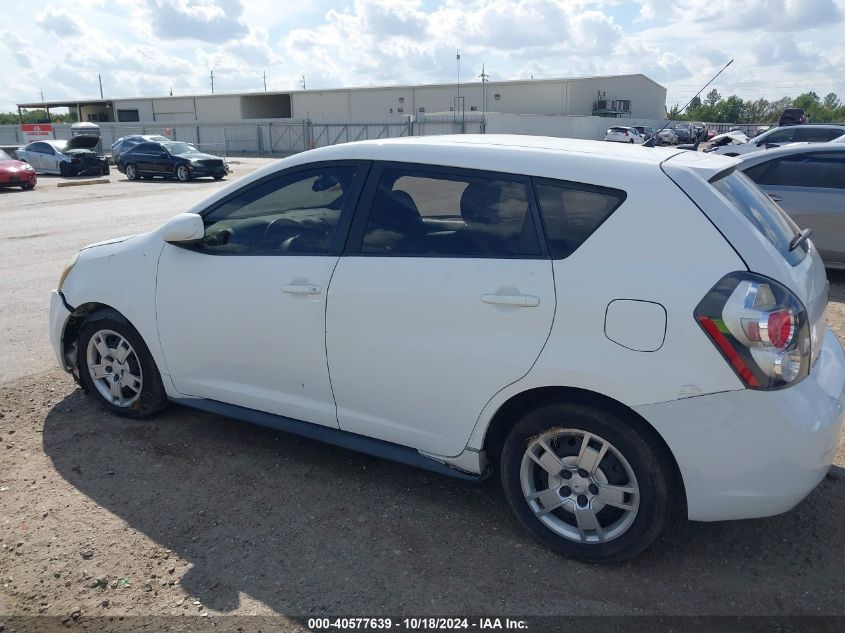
[[737, 143], [691, 368], [141, 156]]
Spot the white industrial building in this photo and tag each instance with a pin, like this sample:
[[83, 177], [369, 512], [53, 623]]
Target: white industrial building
[[633, 96]]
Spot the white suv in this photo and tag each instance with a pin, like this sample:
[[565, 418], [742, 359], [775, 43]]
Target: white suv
[[479, 303]]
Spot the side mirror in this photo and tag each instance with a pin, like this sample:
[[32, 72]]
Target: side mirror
[[184, 228]]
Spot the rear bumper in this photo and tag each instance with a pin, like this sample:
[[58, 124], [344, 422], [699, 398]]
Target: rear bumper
[[745, 454], [59, 315]]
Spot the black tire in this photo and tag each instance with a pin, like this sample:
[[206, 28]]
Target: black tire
[[152, 396], [182, 173], [28, 187], [64, 170], [131, 172], [106, 170], [636, 444], [218, 177]]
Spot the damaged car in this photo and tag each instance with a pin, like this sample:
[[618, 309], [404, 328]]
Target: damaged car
[[74, 157]]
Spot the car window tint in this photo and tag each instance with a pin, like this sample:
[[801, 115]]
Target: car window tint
[[779, 136], [757, 172], [416, 212], [293, 214], [809, 170], [572, 212], [768, 218]]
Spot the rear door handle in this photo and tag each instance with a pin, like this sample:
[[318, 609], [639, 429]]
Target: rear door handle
[[302, 289], [520, 301], [775, 197]]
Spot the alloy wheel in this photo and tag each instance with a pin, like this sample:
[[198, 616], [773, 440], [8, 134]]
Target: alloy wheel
[[579, 485], [114, 368]]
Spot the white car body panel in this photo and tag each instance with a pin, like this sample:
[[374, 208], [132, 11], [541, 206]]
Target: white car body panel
[[417, 358], [226, 325], [410, 342]]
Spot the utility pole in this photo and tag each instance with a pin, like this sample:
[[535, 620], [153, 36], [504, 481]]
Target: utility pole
[[100, 79], [265, 81], [44, 103], [212, 82], [302, 81], [484, 78], [459, 71]]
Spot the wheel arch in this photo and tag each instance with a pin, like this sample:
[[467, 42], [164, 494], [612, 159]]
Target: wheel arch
[[82, 314], [510, 411]]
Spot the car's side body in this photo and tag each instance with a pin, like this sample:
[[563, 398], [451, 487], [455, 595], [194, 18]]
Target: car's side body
[[784, 135], [165, 160], [808, 181], [73, 157], [620, 134], [14, 173], [431, 352]]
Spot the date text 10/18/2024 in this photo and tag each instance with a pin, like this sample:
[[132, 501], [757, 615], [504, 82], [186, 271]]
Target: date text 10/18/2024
[[417, 624]]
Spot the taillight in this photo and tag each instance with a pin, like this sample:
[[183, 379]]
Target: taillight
[[760, 327]]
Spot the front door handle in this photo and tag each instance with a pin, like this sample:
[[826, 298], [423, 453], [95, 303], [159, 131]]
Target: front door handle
[[302, 289], [520, 301], [775, 197]]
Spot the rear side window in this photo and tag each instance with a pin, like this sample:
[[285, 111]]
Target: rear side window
[[454, 214], [764, 215], [780, 136], [815, 135], [809, 170], [572, 212]]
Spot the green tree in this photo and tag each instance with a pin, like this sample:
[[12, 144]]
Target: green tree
[[694, 104], [713, 97], [831, 102]]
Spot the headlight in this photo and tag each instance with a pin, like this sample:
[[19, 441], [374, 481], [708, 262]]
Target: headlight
[[67, 270], [27, 167]]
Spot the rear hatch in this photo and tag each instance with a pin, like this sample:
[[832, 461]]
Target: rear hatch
[[758, 229]]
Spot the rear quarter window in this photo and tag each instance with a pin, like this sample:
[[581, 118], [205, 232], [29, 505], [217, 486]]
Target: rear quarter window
[[572, 212], [763, 214]]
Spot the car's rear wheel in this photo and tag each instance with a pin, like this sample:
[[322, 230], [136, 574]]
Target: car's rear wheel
[[586, 483], [131, 172], [182, 173], [116, 366]]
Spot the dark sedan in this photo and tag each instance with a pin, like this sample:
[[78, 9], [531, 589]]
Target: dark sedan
[[172, 159]]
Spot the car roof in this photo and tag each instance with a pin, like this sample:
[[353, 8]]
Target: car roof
[[792, 149]]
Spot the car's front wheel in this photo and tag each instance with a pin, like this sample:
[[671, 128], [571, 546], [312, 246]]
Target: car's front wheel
[[585, 482], [131, 172], [117, 368], [182, 173], [28, 187]]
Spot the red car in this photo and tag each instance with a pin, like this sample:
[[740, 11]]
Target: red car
[[14, 173]]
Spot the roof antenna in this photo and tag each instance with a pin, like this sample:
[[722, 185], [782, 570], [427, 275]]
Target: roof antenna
[[653, 140]]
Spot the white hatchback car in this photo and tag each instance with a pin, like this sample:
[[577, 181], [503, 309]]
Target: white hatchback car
[[619, 134], [476, 303]]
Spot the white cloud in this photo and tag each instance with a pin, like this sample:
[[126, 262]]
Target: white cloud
[[143, 47]]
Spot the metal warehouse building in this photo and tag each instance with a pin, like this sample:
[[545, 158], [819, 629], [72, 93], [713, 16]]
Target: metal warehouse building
[[633, 96]]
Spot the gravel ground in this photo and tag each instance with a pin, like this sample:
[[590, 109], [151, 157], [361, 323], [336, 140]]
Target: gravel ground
[[191, 513]]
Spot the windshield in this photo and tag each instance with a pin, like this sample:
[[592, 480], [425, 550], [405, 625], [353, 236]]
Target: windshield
[[180, 148], [765, 215], [4, 155]]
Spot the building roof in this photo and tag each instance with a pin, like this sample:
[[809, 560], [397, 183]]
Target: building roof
[[475, 84], [68, 103]]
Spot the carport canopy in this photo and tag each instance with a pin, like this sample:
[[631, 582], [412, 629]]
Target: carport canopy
[[100, 105]]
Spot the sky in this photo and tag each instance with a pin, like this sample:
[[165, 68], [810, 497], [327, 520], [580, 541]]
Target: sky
[[150, 47]]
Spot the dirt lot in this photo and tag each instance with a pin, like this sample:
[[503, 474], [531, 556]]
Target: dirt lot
[[195, 514]]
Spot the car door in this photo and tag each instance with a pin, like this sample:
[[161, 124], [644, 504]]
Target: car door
[[144, 158], [443, 297], [241, 314], [39, 155], [811, 189]]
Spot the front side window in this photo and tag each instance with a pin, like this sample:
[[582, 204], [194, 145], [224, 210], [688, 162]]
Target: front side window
[[177, 149], [450, 214], [572, 212], [294, 214], [778, 136]]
